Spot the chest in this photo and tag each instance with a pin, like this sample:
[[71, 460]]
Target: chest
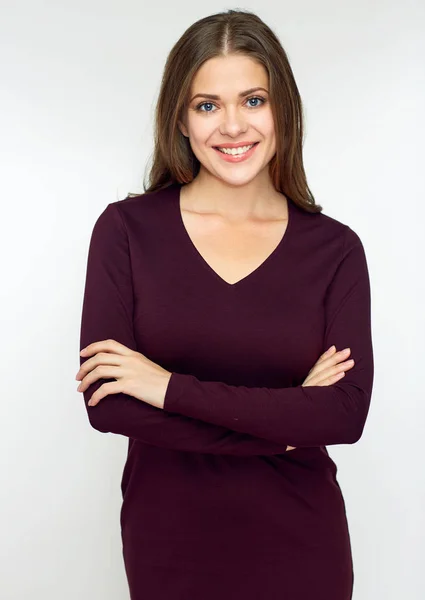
[[233, 251], [241, 304], [264, 329]]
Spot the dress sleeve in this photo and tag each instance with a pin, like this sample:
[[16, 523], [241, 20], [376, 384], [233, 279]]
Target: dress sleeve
[[107, 313], [301, 416]]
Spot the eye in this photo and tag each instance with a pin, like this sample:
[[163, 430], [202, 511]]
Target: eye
[[199, 107], [256, 98]]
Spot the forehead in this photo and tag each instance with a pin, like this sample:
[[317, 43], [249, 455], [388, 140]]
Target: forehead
[[234, 72]]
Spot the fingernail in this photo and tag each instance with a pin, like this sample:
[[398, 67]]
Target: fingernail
[[331, 348]]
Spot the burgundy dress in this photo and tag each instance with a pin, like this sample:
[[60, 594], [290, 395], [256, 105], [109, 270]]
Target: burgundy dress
[[213, 507]]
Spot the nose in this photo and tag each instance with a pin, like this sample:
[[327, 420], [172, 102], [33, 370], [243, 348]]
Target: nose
[[233, 122]]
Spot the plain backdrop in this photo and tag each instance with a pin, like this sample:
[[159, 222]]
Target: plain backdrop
[[78, 85]]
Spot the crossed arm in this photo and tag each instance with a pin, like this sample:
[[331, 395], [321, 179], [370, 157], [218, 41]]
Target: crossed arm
[[214, 417]]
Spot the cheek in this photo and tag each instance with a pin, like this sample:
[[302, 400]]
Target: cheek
[[265, 125], [200, 131]]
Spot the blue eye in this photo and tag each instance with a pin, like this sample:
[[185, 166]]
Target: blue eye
[[254, 98], [204, 104], [199, 107]]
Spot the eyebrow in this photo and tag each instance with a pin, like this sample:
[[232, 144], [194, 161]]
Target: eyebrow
[[241, 94]]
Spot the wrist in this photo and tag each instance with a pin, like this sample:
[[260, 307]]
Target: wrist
[[162, 389]]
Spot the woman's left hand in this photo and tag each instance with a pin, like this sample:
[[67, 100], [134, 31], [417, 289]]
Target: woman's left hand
[[136, 375]]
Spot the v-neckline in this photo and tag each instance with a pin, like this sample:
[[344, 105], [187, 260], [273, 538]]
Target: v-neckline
[[255, 272]]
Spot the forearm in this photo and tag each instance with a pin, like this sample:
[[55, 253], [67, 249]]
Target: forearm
[[122, 414]]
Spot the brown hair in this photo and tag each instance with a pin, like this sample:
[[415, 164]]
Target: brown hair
[[229, 32]]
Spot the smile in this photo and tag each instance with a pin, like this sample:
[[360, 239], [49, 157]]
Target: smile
[[236, 154]]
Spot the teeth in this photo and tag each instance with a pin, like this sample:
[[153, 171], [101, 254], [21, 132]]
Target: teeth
[[235, 151]]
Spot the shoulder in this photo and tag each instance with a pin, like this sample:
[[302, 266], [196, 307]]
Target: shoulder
[[143, 204], [138, 214], [322, 229], [144, 222]]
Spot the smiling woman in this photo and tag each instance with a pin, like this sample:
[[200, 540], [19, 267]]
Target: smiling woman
[[209, 303], [249, 95], [249, 126]]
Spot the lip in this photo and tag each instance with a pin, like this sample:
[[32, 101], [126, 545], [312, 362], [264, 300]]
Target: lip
[[236, 145], [237, 158]]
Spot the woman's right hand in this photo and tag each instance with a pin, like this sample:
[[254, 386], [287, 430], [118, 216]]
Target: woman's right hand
[[329, 368]]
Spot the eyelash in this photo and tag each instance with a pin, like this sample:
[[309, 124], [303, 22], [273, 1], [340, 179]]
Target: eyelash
[[198, 108]]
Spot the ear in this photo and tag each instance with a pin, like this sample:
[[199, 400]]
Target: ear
[[183, 128]]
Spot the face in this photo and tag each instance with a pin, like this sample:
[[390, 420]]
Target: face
[[225, 113]]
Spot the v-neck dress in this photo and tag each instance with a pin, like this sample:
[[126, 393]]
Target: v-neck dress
[[214, 507]]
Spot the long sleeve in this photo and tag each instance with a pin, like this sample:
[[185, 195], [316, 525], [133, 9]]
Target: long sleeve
[[107, 313], [301, 416]]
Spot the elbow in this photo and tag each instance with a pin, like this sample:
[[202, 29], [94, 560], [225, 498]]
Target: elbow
[[97, 423], [348, 433], [99, 415], [348, 422], [355, 434], [96, 414], [358, 422], [96, 420]]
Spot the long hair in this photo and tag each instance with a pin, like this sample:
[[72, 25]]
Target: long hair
[[221, 34]]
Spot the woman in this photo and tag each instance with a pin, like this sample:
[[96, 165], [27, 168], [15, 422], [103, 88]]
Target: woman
[[221, 307]]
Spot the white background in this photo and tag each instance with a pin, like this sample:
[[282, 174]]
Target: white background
[[78, 85]]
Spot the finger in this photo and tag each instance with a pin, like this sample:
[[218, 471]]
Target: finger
[[329, 380], [332, 379], [101, 358], [100, 372], [108, 345], [324, 356], [323, 375], [328, 353], [107, 388], [330, 361]]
